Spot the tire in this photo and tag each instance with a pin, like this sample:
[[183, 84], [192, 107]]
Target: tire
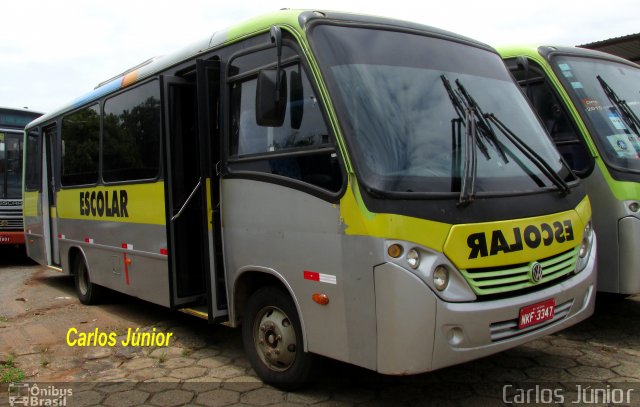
[[88, 293], [272, 338]]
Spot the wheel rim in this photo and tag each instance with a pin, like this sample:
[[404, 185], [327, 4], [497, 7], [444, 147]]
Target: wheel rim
[[83, 279], [275, 338]]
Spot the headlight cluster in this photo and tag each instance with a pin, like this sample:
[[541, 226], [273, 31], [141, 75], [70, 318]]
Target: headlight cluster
[[433, 268], [585, 247]]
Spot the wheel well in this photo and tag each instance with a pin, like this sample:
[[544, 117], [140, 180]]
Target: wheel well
[[248, 283], [74, 252]]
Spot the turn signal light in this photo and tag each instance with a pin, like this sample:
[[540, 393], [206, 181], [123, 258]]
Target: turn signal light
[[395, 250], [322, 299]]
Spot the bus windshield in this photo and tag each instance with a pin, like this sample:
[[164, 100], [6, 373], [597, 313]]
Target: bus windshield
[[405, 102], [10, 165], [608, 95]]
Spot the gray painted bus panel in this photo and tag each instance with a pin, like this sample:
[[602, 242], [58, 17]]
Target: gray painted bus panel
[[33, 233], [629, 233], [406, 317], [148, 271], [294, 233], [613, 269]]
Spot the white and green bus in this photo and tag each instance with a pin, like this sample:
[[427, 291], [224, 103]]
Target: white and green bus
[[589, 102], [371, 190]]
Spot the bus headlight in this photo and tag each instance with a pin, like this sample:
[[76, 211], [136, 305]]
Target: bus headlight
[[431, 267], [413, 258], [440, 278], [585, 247]]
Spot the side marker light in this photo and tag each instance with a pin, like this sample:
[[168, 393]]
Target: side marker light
[[322, 299]]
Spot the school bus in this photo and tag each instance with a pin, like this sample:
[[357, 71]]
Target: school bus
[[12, 122], [589, 102], [370, 190]]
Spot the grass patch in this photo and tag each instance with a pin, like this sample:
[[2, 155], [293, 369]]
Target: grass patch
[[3, 319], [9, 372]]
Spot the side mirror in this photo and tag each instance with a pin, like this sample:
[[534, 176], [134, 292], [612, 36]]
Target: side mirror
[[271, 100], [296, 100]]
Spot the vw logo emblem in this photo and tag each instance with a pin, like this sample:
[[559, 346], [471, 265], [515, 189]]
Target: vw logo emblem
[[535, 272]]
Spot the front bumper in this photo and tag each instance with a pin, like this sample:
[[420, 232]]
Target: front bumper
[[12, 237], [419, 332]]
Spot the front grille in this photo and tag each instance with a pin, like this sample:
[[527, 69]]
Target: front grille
[[11, 218], [508, 329], [488, 281], [11, 224]]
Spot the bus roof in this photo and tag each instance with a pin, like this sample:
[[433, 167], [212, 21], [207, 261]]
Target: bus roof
[[546, 50], [295, 19], [16, 118]]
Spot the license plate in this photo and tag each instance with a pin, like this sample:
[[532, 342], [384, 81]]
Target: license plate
[[536, 313]]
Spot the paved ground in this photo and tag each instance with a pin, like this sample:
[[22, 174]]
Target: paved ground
[[206, 366]]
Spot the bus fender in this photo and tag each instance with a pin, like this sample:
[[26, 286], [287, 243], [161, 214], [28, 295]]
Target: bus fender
[[262, 276]]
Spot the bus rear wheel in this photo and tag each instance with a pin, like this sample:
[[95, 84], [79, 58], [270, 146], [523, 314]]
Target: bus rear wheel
[[88, 292], [272, 338]]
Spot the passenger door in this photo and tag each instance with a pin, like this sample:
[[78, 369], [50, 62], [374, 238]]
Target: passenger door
[[190, 186], [49, 142]]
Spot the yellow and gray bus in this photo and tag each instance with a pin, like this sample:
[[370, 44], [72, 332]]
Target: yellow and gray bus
[[589, 102], [371, 190], [12, 122]]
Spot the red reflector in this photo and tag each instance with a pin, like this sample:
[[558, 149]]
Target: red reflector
[[311, 275], [164, 252]]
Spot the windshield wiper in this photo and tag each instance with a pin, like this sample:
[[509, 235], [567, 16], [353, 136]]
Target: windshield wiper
[[485, 126], [479, 124], [528, 152], [470, 170], [629, 117]]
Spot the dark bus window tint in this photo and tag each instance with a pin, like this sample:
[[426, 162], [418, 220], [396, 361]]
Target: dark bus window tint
[[80, 146], [259, 59], [33, 176], [10, 165], [300, 149], [553, 114], [303, 124], [131, 141]]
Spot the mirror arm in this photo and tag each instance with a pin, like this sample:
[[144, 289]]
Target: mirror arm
[[276, 37]]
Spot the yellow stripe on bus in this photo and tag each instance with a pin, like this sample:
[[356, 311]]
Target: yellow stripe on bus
[[137, 203], [30, 204], [359, 221]]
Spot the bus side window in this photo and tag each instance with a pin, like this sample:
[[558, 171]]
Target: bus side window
[[131, 136], [554, 117], [33, 164], [80, 138], [300, 149]]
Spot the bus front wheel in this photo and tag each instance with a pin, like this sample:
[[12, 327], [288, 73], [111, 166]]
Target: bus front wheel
[[272, 338], [88, 292]]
